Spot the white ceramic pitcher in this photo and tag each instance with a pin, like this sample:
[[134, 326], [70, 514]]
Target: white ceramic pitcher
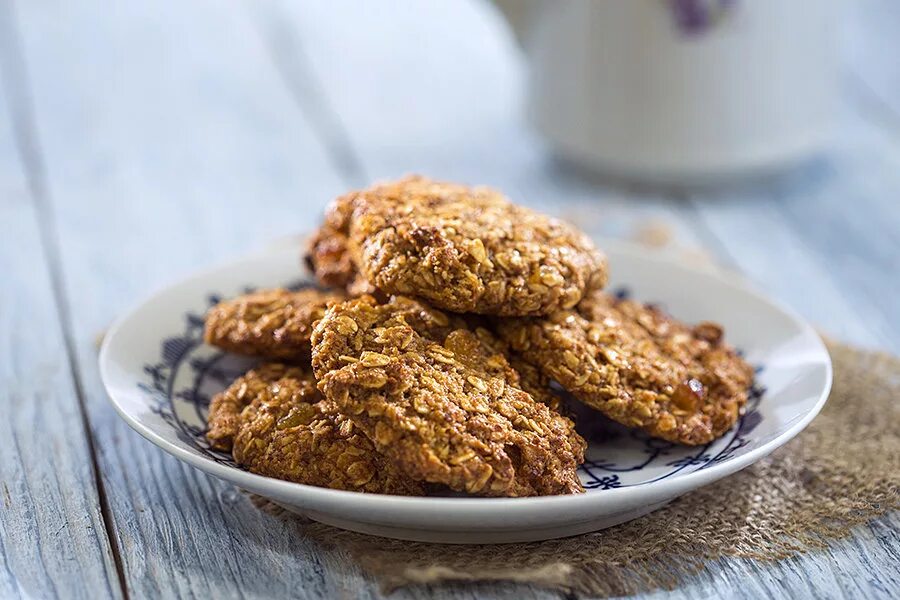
[[680, 90]]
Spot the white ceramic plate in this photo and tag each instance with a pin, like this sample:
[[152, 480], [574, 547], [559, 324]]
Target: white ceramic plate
[[160, 376]]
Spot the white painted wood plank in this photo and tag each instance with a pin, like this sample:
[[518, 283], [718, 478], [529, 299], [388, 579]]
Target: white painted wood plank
[[870, 58], [766, 240], [872, 86], [170, 144], [826, 238], [52, 537]]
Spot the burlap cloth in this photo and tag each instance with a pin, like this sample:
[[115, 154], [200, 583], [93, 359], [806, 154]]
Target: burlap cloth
[[842, 471]]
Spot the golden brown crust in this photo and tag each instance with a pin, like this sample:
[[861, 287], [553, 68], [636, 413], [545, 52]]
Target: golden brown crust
[[225, 408], [270, 323], [530, 379], [283, 332], [464, 249], [277, 424], [438, 402], [328, 257], [638, 366]]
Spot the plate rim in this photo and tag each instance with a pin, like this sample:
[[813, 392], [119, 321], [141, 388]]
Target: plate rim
[[381, 504]]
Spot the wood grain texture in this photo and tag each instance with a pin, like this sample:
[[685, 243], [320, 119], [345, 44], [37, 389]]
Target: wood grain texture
[[870, 43], [52, 538], [825, 220], [176, 137], [176, 146]]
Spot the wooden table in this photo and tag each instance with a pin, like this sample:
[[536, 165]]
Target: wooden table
[[144, 140]]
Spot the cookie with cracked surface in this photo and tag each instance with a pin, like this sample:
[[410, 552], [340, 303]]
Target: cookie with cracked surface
[[639, 366], [529, 377], [493, 355], [276, 324], [533, 381], [464, 249], [276, 423], [273, 324], [438, 402]]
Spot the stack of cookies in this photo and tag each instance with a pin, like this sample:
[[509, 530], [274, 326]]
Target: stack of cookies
[[424, 363]]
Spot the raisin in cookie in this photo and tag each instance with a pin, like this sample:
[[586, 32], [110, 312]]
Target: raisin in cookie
[[638, 366], [438, 402], [464, 249], [275, 422]]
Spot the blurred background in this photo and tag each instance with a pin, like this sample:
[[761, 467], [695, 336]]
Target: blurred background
[[141, 141]]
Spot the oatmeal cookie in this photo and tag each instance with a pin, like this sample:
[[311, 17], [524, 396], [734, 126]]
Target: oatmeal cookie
[[464, 249], [638, 366], [438, 402], [276, 423], [270, 323]]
